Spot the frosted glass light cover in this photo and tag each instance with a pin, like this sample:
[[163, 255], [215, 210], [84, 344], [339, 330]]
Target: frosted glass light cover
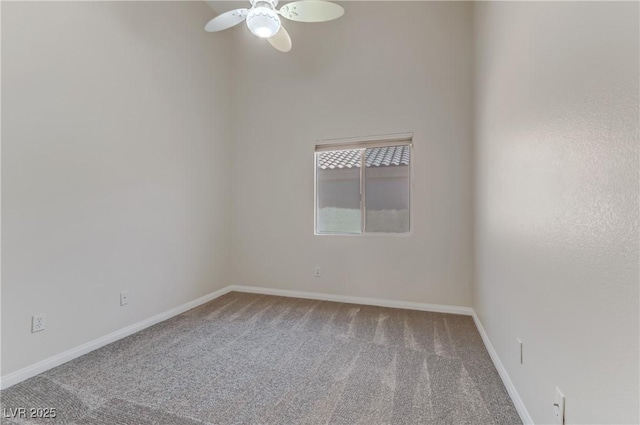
[[263, 22]]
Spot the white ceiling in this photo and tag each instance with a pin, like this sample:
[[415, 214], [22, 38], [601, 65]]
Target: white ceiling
[[223, 6]]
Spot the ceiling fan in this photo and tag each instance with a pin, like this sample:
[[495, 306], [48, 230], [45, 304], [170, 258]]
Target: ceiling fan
[[263, 20]]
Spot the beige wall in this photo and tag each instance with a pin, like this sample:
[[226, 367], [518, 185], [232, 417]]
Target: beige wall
[[115, 171], [557, 202], [379, 69]]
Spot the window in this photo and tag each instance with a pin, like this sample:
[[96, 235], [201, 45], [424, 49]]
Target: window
[[363, 187]]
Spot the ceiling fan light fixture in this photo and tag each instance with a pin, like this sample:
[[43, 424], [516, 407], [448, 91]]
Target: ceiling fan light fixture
[[263, 21]]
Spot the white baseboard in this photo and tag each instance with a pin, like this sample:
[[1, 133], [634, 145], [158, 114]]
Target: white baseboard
[[511, 389], [407, 305], [46, 364]]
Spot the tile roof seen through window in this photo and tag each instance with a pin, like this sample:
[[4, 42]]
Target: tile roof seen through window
[[375, 157]]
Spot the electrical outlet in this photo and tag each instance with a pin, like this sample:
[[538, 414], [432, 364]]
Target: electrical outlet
[[37, 323], [558, 407], [124, 298], [317, 272], [520, 350]]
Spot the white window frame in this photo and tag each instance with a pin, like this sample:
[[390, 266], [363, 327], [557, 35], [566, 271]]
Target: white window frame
[[362, 143]]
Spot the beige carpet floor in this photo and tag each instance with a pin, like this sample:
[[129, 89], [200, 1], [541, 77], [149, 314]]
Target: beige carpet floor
[[257, 359]]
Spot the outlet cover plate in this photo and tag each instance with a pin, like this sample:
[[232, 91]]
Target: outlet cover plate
[[558, 407], [520, 349], [37, 323]]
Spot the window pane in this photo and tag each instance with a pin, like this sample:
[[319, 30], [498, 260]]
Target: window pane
[[338, 191], [387, 180]]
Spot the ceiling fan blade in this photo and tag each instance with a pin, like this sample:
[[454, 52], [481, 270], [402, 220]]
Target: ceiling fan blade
[[281, 40], [311, 11], [226, 20]]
